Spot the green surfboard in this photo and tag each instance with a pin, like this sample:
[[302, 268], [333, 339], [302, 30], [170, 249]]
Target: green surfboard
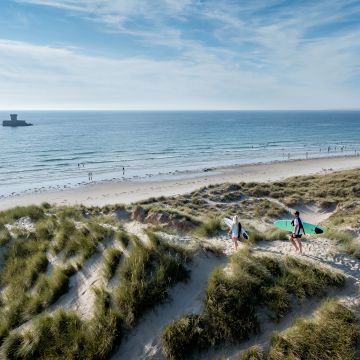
[[310, 229]]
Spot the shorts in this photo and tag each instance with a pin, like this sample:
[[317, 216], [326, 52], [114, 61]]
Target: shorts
[[296, 236]]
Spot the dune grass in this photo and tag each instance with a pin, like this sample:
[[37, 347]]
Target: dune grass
[[145, 277], [47, 290], [9, 216], [5, 236], [209, 227], [112, 257], [45, 229], [269, 235], [24, 260], [332, 334], [123, 238], [80, 240], [253, 353], [233, 299]]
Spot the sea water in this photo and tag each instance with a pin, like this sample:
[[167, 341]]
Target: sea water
[[64, 146]]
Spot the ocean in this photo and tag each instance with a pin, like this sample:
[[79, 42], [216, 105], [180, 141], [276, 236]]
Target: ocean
[[64, 146]]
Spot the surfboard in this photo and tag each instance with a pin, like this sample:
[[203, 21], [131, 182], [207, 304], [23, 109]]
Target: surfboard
[[310, 229], [244, 233]]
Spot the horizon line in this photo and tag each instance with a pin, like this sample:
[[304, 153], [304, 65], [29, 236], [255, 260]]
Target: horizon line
[[175, 109]]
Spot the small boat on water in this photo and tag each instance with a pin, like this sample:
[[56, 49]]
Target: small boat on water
[[14, 122]]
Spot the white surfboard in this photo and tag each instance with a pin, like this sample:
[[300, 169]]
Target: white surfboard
[[244, 233]]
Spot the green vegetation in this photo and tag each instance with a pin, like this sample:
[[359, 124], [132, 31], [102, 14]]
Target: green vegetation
[[123, 238], [200, 206], [258, 200], [79, 240], [233, 299], [145, 277], [270, 235], [112, 257], [209, 228], [9, 216], [29, 284], [5, 236], [253, 353], [332, 334]]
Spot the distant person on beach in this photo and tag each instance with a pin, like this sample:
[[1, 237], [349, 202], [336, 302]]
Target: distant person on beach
[[123, 170], [295, 237], [235, 231]]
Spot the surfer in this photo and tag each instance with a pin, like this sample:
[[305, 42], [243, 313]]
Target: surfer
[[295, 237], [235, 231]]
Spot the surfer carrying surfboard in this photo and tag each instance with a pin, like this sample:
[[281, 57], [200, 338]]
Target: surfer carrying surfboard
[[235, 231], [295, 237]]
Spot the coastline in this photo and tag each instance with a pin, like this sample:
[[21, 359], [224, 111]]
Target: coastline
[[100, 194]]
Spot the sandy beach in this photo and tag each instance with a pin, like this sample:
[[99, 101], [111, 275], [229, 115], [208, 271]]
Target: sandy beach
[[130, 191]]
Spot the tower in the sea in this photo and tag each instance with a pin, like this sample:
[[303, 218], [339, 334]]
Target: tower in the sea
[[15, 122]]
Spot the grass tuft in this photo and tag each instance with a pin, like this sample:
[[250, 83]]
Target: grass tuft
[[111, 260], [209, 228], [234, 297], [145, 277], [333, 334]]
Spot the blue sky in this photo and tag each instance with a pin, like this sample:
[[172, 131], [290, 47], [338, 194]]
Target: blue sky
[[179, 54]]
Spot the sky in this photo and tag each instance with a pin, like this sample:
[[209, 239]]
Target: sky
[[179, 54]]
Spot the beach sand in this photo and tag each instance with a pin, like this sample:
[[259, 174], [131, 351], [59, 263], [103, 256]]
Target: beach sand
[[124, 192]]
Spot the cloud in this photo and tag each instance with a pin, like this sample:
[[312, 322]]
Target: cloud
[[33, 76], [224, 54]]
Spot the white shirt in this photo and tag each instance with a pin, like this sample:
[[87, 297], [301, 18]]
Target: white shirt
[[296, 223]]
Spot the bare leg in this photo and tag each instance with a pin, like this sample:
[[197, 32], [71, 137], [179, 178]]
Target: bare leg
[[294, 243], [299, 245], [235, 243]]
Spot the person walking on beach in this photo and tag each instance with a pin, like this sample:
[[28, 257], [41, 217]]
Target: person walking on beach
[[295, 237], [235, 231]]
